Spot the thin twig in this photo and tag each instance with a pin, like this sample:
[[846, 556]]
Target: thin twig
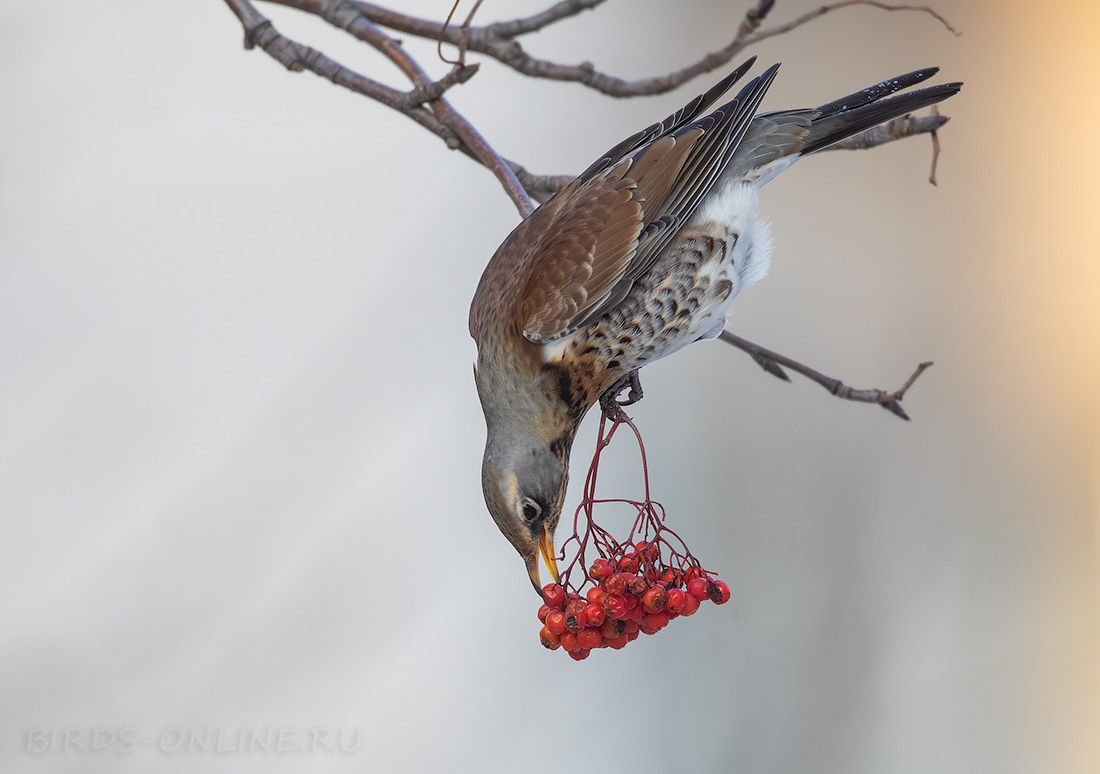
[[783, 29], [555, 13], [935, 149], [439, 41], [773, 363], [464, 32]]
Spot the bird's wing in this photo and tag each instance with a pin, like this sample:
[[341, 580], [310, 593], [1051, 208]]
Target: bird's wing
[[614, 220]]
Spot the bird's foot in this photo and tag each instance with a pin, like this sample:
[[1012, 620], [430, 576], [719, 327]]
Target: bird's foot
[[609, 401]]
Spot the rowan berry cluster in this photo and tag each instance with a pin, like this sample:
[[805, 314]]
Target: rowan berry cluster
[[632, 593]]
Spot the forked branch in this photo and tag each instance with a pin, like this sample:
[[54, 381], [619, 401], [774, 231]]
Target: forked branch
[[774, 363]]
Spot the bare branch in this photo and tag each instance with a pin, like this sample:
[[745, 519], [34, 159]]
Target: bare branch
[[442, 119], [502, 47], [436, 89], [773, 363], [555, 13], [497, 40], [783, 29], [540, 187], [424, 103], [898, 129]]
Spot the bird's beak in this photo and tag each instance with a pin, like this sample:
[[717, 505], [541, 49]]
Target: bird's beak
[[546, 549]]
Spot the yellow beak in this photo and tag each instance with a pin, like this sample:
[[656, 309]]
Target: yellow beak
[[546, 549]]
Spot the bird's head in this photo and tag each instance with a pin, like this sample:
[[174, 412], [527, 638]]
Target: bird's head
[[524, 486]]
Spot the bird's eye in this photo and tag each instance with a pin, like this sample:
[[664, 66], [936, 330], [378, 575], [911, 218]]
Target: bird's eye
[[531, 510]]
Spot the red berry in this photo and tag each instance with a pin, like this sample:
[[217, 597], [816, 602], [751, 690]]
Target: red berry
[[553, 595], [647, 628], [593, 614], [675, 600], [628, 562], [632, 602], [719, 592], [600, 569], [631, 636], [590, 638], [630, 626], [596, 595], [543, 612], [654, 599], [670, 576], [618, 643], [691, 605], [579, 655], [637, 613], [658, 620], [615, 606], [550, 641], [569, 640], [555, 621], [697, 587], [615, 584]]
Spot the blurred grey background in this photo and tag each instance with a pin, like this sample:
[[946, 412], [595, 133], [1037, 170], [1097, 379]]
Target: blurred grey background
[[240, 442]]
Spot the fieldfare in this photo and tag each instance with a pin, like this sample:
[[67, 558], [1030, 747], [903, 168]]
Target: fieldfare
[[638, 257]]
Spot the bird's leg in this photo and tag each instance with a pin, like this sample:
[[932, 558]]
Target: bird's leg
[[610, 402]]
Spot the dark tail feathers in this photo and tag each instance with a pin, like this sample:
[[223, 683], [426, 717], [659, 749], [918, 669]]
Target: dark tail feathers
[[858, 112]]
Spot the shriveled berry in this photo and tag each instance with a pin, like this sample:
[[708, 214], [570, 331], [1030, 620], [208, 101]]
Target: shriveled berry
[[553, 595], [636, 586], [600, 569], [675, 599], [719, 592], [575, 619], [569, 640], [697, 587], [550, 641], [615, 584], [615, 606], [593, 614], [579, 655], [590, 638], [612, 628], [555, 621], [654, 599]]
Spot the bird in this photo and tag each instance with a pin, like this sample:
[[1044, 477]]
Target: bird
[[640, 255]]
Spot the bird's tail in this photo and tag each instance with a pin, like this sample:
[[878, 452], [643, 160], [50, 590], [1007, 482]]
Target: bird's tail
[[842, 118]]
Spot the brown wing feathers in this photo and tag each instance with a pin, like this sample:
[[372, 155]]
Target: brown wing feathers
[[616, 219]]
